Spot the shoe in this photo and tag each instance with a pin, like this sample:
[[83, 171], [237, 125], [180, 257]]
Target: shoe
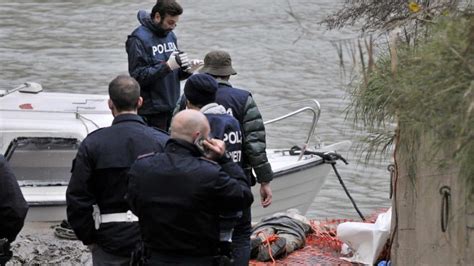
[[254, 244], [277, 248], [65, 224]]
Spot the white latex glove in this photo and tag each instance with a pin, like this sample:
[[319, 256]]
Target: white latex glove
[[178, 60], [194, 64], [172, 61]]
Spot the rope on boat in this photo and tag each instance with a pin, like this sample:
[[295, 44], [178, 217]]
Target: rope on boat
[[333, 164], [330, 157]]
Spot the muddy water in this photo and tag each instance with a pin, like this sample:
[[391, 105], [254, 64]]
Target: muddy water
[[78, 46]]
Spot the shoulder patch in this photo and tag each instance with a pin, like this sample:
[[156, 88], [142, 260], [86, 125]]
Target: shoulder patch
[[145, 155], [208, 160]]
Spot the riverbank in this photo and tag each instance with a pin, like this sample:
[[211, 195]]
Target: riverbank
[[37, 245]]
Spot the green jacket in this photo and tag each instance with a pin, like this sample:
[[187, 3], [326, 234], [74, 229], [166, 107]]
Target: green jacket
[[254, 143]]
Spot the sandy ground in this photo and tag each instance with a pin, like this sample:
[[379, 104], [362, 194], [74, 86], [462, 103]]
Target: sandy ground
[[37, 245]]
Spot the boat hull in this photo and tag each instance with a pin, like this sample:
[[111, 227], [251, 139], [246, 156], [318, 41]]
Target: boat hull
[[41, 133], [292, 189], [295, 185]]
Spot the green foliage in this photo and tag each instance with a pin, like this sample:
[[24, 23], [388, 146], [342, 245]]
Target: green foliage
[[429, 92]]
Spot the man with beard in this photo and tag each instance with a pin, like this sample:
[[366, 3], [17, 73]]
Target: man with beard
[[156, 63]]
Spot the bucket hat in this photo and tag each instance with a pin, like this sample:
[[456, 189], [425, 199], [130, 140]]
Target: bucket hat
[[218, 63]]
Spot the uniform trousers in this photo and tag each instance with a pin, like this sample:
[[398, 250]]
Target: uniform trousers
[[102, 258]]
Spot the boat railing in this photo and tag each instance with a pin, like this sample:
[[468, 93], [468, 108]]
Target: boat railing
[[29, 87], [314, 109]]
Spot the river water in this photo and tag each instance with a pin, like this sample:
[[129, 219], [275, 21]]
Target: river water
[[279, 49]]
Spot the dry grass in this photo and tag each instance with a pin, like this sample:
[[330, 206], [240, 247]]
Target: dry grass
[[430, 90]]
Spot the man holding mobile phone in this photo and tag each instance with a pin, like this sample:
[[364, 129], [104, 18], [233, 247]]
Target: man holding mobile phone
[[200, 91], [179, 194], [240, 104]]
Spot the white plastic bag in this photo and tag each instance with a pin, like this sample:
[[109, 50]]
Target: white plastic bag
[[366, 240]]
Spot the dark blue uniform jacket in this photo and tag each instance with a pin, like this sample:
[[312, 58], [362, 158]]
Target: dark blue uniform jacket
[[99, 176], [233, 100], [225, 127], [148, 48], [13, 207], [240, 104], [178, 195]]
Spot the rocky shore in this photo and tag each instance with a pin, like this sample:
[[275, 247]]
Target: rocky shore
[[38, 245]]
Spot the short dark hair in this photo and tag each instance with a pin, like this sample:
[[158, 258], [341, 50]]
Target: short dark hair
[[124, 92], [166, 7]]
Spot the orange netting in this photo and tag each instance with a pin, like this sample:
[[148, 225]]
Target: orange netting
[[322, 246]]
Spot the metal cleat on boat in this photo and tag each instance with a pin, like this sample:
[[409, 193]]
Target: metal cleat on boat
[[27, 87]]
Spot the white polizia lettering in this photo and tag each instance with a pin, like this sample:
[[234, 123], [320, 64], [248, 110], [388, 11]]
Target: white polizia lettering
[[233, 137], [229, 112], [163, 48], [235, 156]]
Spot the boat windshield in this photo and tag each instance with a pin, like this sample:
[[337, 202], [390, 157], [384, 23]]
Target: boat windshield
[[42, 161]]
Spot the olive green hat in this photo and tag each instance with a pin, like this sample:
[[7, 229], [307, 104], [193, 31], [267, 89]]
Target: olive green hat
[[218, 63]]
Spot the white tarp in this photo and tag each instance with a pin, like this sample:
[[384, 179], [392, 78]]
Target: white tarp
[[366, 240]]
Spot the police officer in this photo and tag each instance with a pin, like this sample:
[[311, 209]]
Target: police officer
[[96, 207], [13, 209], [153, 60], [178, 194], [241, 105], [200, 91]]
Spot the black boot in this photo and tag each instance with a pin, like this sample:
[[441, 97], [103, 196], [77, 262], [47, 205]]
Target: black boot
[[277, 249]]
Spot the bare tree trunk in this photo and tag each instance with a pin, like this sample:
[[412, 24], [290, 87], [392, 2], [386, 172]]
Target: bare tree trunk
[[435, 215]]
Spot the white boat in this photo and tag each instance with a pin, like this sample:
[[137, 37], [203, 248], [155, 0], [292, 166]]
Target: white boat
[[41, 131]]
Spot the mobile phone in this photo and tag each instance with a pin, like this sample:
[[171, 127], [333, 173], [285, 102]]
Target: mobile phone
[[199, 144]]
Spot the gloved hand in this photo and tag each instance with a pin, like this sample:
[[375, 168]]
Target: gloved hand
[[194, 64], [178, 59]]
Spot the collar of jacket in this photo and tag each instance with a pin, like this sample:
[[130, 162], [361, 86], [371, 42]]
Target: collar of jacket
[[224, 82], [128, 118], [213, 108], [182, 147], [144, 18]]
